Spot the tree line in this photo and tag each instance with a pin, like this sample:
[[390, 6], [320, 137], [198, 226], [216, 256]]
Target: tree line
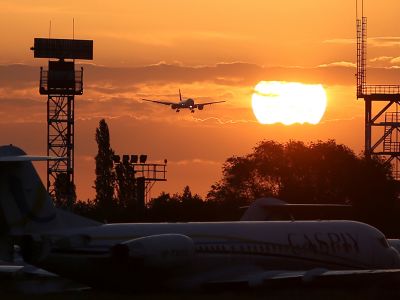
[[316, 173]]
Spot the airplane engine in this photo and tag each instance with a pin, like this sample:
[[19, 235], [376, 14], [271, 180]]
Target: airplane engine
[[164, 250], [174, 106], [200, 107]]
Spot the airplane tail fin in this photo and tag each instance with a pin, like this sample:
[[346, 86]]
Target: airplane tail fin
[[257, 212], [180, 95], [25, 206], [264, 209]]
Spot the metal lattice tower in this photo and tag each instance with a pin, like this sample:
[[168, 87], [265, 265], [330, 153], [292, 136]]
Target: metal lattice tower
[[60, 128], [379, 99], [61, 82]]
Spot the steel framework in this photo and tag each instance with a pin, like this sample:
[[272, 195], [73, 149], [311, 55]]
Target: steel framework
[[61, 82], [378, 100], [145, 175], [60, 126], [151, 173]]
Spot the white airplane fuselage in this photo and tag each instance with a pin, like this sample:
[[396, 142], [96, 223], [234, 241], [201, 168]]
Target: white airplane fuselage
[[232, 247]]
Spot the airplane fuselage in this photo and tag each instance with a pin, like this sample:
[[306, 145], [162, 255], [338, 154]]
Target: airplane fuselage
[[234, 247], [188, 103]]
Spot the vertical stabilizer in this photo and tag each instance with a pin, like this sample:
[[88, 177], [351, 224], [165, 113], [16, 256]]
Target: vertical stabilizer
[[257, 210], [24, 202]]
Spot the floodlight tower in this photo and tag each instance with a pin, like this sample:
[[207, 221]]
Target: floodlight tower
[[61, 82], [378, 100], [145, 174]]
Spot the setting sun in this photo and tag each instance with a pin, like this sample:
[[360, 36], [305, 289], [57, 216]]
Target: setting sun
[[288, 102]]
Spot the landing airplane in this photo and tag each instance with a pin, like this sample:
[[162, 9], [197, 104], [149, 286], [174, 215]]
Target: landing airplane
[[188, 103], [184, 256]]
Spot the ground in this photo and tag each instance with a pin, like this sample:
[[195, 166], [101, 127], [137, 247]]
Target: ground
[[281, 294]]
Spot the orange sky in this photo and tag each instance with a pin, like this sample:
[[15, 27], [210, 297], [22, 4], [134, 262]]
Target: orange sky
[[211, 50]]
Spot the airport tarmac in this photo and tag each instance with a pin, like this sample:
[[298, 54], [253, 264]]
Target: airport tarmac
[[279, 294]]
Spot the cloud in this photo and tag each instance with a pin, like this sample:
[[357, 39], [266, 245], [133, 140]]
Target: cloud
[[380, 41], [21, 109], [381, 59], [340, 120], [17, 76], [224, 121], [227, 74], [117, 92], [346, 64], [194, 161], [384, 41], [109, 80], [395, 60]]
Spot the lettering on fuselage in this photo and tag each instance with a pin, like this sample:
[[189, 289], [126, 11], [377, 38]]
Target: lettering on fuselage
[[324, 242]]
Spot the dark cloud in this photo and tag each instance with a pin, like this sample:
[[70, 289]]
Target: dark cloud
[[109, 80], [19, 76], [111, 90], [227, 74], [22, 110], [20, 102]]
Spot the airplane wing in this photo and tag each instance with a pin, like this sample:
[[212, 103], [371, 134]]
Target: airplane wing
[[27, 279], [208, 103], [23, 271], [28, 158], [160, 102], [316, 276]]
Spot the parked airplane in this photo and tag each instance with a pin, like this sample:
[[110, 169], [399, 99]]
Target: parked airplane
[[183, 255], [188, 103]]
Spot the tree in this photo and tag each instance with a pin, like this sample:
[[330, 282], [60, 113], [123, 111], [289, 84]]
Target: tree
[[320, 172], [104, 182], [65, 191], [125, 185], [192, 205], [177, 208], [164, 208]]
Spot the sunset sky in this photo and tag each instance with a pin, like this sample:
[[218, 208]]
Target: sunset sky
[[211, 50]]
